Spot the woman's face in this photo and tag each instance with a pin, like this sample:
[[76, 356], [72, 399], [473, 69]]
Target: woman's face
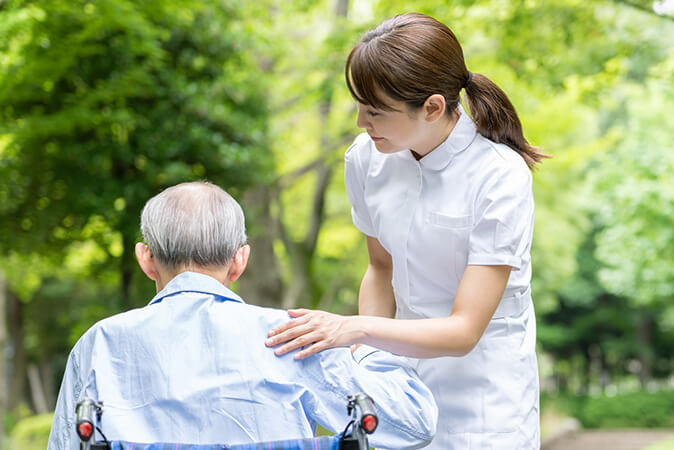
[[391, 131]]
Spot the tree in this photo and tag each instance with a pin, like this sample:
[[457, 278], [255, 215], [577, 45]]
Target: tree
[[4, 388], [311, 128], [102, 105], [634, 190]]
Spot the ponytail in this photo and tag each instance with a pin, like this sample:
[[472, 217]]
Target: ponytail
[[412, 56], [496, 118]]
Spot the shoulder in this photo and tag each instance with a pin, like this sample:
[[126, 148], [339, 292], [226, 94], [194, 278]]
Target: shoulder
[[248, 318], [263, 316], [499, 163], [359, 153], [101, 335], [113, 325]]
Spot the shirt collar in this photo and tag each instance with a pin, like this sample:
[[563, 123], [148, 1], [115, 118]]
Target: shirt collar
[[196, 282], [458, 140]]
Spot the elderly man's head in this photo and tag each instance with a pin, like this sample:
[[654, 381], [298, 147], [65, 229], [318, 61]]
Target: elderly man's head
[[192, 226]]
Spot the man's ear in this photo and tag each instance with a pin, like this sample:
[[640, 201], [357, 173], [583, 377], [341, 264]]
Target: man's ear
[[238, 264], [434, 107], [146, 261]]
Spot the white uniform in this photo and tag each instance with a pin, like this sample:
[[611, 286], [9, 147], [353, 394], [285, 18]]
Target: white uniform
[[469, 201]]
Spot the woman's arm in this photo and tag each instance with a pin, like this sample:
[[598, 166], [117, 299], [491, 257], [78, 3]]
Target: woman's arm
[[376, 290], [477, 298]]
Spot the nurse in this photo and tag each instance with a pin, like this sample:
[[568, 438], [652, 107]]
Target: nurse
[[446, 205]]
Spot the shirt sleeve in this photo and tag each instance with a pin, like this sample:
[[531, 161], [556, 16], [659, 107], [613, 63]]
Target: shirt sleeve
[[355, 171], [405, 407], [504, 220], [63, 435]]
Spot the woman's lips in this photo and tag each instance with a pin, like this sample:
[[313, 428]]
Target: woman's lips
[[376, 139]]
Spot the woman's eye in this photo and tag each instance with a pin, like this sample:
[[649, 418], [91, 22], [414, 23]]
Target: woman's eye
[[373, 113]]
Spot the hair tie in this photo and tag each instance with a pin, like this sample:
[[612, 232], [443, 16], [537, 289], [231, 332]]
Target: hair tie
[[470, 78]]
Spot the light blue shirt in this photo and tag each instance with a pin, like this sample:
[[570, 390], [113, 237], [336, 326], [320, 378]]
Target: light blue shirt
[[192, 367]]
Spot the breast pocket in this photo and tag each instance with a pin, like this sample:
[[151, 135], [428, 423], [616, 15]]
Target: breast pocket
[[446, 238], [447, 221]]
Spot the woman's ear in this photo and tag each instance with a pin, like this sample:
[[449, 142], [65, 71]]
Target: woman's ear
[[238, 264], [146, 261], [434, 107]]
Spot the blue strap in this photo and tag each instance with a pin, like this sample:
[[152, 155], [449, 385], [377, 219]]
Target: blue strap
[[317, 443]]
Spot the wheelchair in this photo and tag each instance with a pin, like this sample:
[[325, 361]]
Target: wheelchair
[[360, 408]]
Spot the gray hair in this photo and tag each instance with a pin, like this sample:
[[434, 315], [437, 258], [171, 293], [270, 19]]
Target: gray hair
[[194, 223]]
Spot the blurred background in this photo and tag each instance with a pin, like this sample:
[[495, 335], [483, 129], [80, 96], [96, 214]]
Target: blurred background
[[105, 103]]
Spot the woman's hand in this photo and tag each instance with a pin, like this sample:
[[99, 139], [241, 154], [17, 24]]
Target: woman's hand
[[318, 330]]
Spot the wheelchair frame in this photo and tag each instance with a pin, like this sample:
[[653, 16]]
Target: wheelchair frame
[[360, 407]]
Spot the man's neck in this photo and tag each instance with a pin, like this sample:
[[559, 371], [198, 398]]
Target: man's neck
[[165, 275]]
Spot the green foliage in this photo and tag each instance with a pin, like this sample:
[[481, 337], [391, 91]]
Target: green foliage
[[636, 243], [639, 409], [633, 410], [104, 104], [312, 125], [31, 433], [603, 239]]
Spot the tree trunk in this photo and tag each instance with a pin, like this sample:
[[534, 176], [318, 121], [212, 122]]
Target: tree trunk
[[644, 338], [604, 372], [46, 375], [4, 378], [18, 354], [261, 282], [584, 371], [37, 390], [342, 8], [127, 267], [302, 292], [299, 293]]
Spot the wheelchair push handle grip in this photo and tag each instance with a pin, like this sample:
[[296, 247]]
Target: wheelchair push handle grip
[[88, 414], [368, 420], [368, 414], [85, 424]]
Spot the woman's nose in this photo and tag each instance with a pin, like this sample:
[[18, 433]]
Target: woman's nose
[[360, 120]]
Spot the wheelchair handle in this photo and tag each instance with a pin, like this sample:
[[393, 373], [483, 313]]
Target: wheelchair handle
[[85, 424], [88, 415], [368, 414]]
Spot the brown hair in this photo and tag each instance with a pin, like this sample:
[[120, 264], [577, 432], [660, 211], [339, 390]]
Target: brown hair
[[412, 56]]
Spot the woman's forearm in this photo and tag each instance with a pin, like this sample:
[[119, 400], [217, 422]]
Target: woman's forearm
[[477, 297], [476, 300], [419, 338], [376, 293]]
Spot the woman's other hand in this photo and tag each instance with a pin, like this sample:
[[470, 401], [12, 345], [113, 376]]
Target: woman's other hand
[[317, 330]]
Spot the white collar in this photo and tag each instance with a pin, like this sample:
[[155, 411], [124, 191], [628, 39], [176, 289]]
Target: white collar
[[459, 139]]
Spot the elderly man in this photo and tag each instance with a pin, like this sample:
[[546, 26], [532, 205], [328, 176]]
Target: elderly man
[[191, 366]]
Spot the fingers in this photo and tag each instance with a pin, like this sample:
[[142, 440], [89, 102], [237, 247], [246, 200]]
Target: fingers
[[311, 350], [305, 340], [298, 312], [308, 329], [286, 326], [291, 333]]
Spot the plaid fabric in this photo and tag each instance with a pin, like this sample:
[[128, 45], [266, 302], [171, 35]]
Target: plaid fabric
[[318, 443]]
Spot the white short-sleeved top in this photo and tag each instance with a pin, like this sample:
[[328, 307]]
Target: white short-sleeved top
[[469, 201]]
